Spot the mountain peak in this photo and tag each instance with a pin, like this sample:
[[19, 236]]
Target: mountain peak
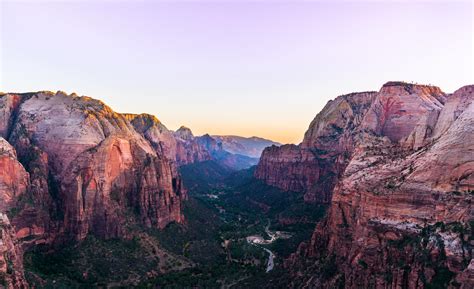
[[144, 121], [184, 133], [403, 87]]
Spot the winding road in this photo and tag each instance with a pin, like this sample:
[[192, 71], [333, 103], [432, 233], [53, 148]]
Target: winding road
[[258, 241], [270, 263]]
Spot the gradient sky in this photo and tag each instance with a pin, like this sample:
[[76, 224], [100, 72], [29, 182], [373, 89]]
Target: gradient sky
[[260, 68]]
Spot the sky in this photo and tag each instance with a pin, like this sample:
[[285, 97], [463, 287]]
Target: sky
[[262, 68]]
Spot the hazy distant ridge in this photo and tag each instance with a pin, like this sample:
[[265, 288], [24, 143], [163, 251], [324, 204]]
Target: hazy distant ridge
[[248, 146]]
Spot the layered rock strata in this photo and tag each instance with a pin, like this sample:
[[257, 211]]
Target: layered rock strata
[[86, 169], [401, 213]]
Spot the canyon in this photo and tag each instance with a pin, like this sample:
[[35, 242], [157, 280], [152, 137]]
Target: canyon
[[394, 168], [71, 167], [397, 168]]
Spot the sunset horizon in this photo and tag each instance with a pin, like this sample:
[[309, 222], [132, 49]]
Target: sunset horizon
[[212, 129], [228, 60], [226, 144]]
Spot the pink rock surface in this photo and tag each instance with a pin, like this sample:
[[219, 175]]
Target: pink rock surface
[[181, 146], [94, 164], [11, 256], [314, 166], [400, 185]]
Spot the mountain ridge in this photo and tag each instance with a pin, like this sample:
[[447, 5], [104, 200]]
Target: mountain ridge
[[396, 167]]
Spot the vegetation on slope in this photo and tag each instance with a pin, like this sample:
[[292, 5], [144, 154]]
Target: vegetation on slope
[[210, 250]]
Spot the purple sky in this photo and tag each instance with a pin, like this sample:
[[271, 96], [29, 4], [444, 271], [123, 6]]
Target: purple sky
[[226, 67]]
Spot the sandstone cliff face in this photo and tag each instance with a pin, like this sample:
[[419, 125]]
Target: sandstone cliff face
[[14, 182], [9, 103], [153, 130], [119, 174], [398, 108], [183, 148], [314, 166], [11, 256], [401, 214], [87, 167], [189, 149], [180, 147], [288, 167], [18, 194]]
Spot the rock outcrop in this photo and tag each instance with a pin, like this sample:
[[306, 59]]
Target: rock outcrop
[[87, 169], [189, 149], [161, 139], [401, 212], [314, 166], [9, 104], [11, 257], [399, 107], [14, 182], [181, 147]]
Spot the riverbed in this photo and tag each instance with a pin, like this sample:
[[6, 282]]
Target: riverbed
[[258, 240]]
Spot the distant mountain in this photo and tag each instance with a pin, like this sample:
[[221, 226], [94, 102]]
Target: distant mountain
[[179, 146], [183, 148], [184, 133], [228, 159], [247, 146]]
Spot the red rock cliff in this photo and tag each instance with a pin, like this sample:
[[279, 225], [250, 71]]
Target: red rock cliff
[[314, 166], [87, 167], [401, 214], [11, 256], [14, 181], [181, 146]]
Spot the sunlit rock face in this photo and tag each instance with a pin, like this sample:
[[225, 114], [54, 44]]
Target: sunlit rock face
[[189, 149], [406, 114], [399, 107], [314, 166], [401, 213], [161, 139], [9, 104], [183, 148], [14, 182], [86, 168], [180, 147]]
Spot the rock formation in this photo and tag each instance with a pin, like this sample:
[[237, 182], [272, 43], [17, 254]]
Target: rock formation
[[181, 146], [314, 166], [11, 256], [86, 168], [14, 181], [189, 149], [71, 166], [401, 211]]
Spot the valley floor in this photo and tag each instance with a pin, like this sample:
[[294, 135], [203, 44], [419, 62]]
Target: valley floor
[[232, 238]]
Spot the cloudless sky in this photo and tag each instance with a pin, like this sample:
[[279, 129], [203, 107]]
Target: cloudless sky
[[260, 68]]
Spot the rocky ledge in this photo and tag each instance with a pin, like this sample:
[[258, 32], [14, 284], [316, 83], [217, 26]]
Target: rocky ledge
[[401, 212]]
